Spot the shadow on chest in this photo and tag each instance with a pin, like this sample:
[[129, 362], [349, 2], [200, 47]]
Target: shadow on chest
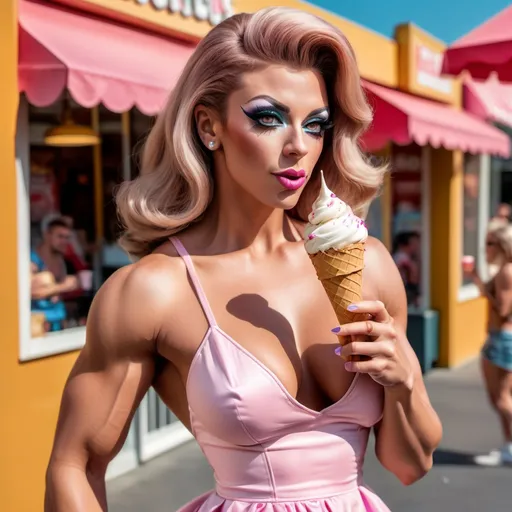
[[288, 332]]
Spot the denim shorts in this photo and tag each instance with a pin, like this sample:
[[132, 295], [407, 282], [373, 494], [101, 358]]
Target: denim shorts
[[498, 349]]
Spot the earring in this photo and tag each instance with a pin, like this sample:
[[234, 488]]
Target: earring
[[211, 144]]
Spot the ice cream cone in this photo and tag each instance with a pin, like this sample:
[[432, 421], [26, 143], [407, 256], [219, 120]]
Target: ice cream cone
[[341, 274], [334, 238]]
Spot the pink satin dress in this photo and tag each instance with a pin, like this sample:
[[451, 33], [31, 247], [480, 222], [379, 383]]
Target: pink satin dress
[[269, 452]]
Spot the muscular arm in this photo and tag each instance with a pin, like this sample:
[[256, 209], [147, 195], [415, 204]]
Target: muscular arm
[[410, 429], [484, 292], [44, 291], [69, 284], [503, 300], [110, 377]]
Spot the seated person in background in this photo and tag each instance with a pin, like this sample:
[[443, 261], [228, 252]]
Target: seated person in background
[[49, 274], [77, 247]]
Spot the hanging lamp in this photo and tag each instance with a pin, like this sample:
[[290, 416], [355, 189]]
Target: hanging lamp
[[70, 134]]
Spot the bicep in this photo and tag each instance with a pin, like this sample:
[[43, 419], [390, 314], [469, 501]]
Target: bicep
[[106, 384], [97, 407], [504, 293]]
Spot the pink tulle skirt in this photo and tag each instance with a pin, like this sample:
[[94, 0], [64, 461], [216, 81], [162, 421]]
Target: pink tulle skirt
[[359, 500]]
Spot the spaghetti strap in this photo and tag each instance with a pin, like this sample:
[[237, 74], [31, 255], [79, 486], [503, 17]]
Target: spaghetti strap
[[195, 280]]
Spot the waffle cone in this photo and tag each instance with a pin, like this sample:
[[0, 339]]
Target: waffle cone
[[341, 274]]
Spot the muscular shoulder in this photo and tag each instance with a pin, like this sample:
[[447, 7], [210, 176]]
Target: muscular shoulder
[[132, 303], [377, 258]]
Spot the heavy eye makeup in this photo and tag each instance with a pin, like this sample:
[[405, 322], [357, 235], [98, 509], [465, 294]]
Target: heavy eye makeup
[[269, 116]]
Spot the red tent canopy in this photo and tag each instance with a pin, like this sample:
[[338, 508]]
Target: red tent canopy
[[404, 118], [490, 100], [485, 49], [96, 60]]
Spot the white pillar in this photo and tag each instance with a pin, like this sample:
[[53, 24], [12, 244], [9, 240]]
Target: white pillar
[[126, 146], [426, 202], [484, 198]]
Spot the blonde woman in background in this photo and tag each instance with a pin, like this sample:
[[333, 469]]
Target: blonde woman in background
[[497, 350], [223, 313]]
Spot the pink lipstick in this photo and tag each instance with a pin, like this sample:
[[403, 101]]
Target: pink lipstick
[[291, 179]]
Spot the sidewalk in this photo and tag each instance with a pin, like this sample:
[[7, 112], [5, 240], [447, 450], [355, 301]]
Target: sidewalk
[[454, 484]]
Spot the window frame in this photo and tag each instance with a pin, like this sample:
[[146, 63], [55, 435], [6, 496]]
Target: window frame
[[426, 204], [69, 339], [470, 291], [425, 177], [60, 342]]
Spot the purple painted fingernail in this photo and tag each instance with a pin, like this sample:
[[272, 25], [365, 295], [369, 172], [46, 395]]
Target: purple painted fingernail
[[348, 366], [337, 351], [352, 307], [336, 330]]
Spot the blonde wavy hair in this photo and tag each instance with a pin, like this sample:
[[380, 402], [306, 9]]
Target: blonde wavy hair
[[176, 184], [501, 230]]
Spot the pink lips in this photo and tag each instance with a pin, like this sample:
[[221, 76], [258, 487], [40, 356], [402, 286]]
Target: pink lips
[[291, 179]]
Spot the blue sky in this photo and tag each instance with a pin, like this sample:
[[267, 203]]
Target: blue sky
[[445, 19]]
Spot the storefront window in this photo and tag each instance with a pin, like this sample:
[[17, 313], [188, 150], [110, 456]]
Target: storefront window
[[62, 226], [476, 208], [73, 227], [471, 226], [407, 219], [140, 126], [374, 219], [501, 178], [374, 216]]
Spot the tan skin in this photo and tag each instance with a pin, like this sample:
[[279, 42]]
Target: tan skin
[[146, 324], [498, 380]]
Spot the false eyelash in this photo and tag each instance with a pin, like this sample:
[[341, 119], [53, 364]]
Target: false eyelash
[[258, 111], [324, 126]]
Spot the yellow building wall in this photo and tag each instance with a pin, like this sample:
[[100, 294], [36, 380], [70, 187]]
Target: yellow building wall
[[446, 233], [409, 38], [377, 55], [461, 324], [30, 392], [470, 330]]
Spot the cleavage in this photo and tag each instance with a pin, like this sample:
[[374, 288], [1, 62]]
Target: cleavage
[[309, 371]]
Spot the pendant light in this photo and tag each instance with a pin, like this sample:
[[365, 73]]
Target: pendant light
[[69, 134]]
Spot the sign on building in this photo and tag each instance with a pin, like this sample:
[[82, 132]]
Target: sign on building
[[213, 11]]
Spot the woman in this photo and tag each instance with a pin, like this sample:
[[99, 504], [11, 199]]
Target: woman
[[497, 351], [227, 319]]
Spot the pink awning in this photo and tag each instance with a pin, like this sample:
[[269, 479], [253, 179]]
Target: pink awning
[[97, 60], [403, 119], [490, 100], [485, 49]]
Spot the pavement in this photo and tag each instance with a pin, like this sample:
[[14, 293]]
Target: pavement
[[454, 484]]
